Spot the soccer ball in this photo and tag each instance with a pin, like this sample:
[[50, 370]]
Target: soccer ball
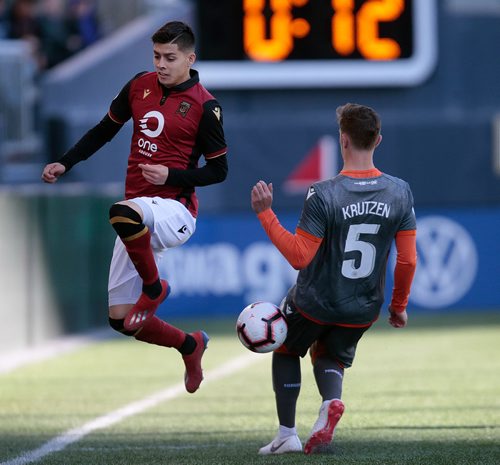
[[261, 327]]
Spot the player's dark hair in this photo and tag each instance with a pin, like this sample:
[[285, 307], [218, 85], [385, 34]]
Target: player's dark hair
[[175, 32], [362, 124]]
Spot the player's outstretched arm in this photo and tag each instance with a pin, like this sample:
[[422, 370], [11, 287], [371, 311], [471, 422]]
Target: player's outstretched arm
[[398, 319], [52, 172]]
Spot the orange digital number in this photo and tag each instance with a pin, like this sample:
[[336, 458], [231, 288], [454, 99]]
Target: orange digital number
[[370, 45], [343, 36], [351, 31], [283, 29], [361, 31], [280, 43]]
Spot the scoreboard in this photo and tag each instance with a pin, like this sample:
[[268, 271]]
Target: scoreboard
[[315, 43]]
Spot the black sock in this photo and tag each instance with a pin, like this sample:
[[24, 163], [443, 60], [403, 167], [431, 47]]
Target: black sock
[[188, 346], [286, 385], [152, 290], [329, 376]]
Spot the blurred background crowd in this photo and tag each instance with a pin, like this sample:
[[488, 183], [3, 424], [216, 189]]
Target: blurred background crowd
[[57, 29]]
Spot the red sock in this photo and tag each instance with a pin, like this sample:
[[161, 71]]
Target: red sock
[[140, 252], [158, 332]]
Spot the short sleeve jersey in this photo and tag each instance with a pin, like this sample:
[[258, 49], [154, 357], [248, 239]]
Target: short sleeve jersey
[[357, 219], [172, 127]]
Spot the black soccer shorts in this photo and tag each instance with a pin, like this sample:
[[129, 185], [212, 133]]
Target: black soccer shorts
[[339, 342]]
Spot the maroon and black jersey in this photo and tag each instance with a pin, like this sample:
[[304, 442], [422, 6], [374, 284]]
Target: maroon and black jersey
[[172, 127]]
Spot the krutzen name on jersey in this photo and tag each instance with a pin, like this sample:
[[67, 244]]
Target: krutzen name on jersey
[[366, 208]]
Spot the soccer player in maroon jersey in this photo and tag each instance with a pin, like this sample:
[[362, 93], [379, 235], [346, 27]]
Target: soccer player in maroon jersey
[[340, 246], [176, 120]]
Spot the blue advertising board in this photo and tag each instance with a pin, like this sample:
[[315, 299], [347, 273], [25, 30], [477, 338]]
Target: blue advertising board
[[229, 262]]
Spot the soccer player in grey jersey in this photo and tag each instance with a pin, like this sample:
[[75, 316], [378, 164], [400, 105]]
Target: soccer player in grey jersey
[[341, 245]]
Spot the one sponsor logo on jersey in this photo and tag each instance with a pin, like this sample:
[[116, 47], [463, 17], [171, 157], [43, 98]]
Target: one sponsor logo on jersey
[[154, 202], [146, 93], [160, 123], [151, 124], [182, 230], [183, 108], [366, 208], [217, 112]]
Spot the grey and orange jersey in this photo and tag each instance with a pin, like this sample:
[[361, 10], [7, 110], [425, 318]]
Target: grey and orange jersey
[[358, 219]]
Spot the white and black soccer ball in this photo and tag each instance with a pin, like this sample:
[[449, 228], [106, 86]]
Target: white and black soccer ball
[[261, 327]]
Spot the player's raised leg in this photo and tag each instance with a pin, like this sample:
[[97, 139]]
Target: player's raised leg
[[127, 220]]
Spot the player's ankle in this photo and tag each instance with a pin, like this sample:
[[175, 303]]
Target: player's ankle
[[285, 431], [188, 346], [152, 290]]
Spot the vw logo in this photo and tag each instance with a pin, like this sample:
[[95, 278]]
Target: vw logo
[[447, 262]]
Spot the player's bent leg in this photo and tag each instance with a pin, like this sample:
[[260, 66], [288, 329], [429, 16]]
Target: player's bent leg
[[127, 220], [322, 432]]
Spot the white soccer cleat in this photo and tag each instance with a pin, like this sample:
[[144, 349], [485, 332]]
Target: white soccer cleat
[[322, 431], [282, 445]]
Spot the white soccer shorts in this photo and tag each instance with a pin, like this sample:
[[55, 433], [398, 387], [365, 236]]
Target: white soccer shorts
[[170, 225]]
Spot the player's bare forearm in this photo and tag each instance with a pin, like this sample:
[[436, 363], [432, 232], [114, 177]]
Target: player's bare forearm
[[261, 196]]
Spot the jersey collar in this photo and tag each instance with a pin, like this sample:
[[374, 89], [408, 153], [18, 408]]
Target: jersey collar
[[192, 81], [372, 173]]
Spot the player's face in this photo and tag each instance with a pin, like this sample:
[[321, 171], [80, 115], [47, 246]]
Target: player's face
[[171, 64]]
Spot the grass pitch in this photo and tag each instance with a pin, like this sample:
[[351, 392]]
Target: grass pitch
[[426, 394]]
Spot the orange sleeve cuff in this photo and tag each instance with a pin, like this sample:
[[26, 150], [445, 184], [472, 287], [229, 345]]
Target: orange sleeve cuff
[[298, 249], [406, 263]]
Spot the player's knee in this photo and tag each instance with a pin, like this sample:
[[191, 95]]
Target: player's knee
[[125, 220], [124, 211], [118, 326]]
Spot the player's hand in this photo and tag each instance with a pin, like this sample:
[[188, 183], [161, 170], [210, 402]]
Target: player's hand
[[398, 319], [52, 172], [262, 196], [155, 174]]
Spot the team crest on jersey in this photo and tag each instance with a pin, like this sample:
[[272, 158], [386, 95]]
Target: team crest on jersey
[[183, 109]]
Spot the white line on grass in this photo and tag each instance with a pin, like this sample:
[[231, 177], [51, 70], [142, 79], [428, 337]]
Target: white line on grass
[[69, 437]]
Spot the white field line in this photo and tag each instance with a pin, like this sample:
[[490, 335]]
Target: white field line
[[69, 437]]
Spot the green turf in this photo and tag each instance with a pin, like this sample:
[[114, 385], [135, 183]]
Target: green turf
[[427, 394]]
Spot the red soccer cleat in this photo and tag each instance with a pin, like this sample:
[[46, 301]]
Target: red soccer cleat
[[145, 308], [322, 431], [194, 373]]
